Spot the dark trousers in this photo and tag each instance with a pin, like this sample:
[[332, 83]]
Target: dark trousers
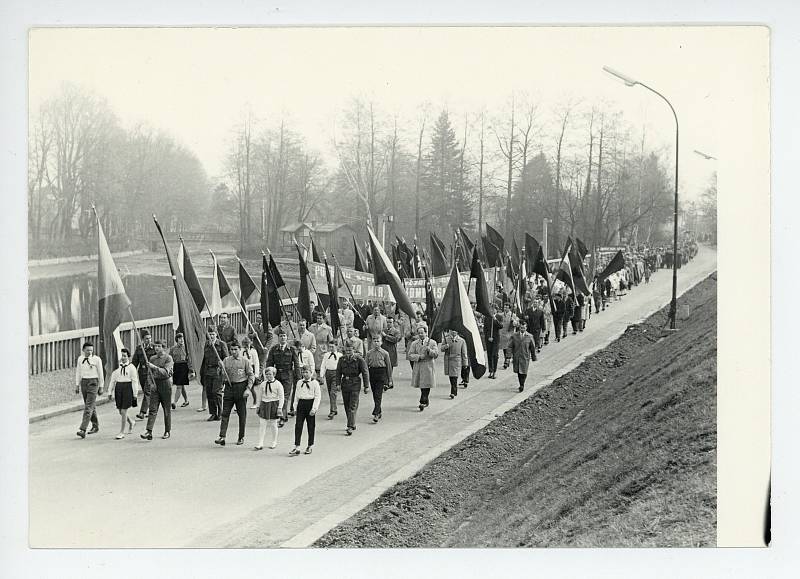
[[465, 374], [303, 411], [350, 399], [213, 385], [161, 394], [144, 405], [89, 388], [423, 395], [558, 322], [285, 377], [576, 325], [378, 378], [234, 396], [453, 385], [333, 388], [493, 353], [521, 378], [537, 338]]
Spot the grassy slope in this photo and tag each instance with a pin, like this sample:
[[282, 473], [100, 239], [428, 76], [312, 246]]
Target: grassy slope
[[619, 452]]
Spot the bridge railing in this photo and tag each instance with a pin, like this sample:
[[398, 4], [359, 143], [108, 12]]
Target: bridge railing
[[60, 350]]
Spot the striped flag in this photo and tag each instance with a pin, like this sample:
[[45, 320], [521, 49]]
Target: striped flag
[[176, 320], [385, 273], [455, 313], [247, 287], [219, 288], [113, 302]]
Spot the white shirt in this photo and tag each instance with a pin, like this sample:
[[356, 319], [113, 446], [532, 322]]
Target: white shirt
[[268, 392], [130, 375], [91, 367], [307, 359], [303, 392], [252, 355], [329, 362]]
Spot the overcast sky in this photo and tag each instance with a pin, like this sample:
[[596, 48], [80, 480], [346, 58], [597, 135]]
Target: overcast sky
[[196, 83]]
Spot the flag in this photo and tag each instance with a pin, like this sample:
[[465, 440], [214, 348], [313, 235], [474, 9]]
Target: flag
[[576, 263], [617, 263], [190, 277], [497, 240], [541, 268], [430, 300], [466, 242], [312, 250], [405, 257], [481, 293], [333, 298], [113, 303], [176, 320], [303, 297], [416, 263], [276, 275], [194, 329], [247, 287], [368, 258], [270, 301], [219, 288], [581, 248], [396, 261], [515, 254], [455, 313], [565, 272], [359, 264], [531, 248], [521, 286], [438, 259], [494, 256], [385, 273]]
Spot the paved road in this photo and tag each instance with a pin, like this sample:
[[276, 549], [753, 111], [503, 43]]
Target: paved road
[[186, 491]]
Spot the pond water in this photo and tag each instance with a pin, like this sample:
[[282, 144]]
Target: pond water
[[64, 303]]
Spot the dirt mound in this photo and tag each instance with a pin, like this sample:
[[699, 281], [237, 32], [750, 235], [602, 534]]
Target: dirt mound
[[619, 452]]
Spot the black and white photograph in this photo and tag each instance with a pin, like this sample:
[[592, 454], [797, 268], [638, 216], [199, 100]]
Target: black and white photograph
[[391, 287]]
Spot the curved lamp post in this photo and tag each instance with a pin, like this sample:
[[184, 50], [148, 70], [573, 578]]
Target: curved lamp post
[[673, 305]]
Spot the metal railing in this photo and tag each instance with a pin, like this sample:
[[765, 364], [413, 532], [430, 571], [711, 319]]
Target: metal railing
[[60, 350]]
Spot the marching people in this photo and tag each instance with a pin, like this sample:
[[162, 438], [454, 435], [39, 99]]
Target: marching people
[[596, 297], [307, 395], [375, 325], [455, 359], [181, 370], [328, 372], [346, 316], [262, 338], [523, 350], [250, 353], [577, 314], [89, 382], [508, 321], [140, 361], [121, 388], [160, 367], [214, 353], [306, 338], [323, 334], [283, 358], [379, 366], [534, 316], [304, 358], [239, 379], [422, 352], [569, 306], [270, 404], [225, 331], [491, 330], [558, 314], [358, 343], [351, 375], [391, 336]]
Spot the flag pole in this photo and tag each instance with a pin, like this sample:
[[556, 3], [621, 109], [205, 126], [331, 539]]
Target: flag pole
[[280, 303], [347, 285], [330, 297], [244, 311], [288, 295], [310, 278]]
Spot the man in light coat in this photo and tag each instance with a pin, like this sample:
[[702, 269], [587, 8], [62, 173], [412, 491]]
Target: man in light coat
[[455, 359], [523, 350], [422, 352]]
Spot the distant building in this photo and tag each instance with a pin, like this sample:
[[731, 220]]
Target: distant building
[[332, 238]]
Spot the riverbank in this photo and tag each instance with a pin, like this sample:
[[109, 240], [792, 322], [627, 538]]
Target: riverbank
[[620, 452]]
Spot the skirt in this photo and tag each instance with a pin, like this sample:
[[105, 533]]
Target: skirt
[[268, 410], [180, 374], [123, 395]]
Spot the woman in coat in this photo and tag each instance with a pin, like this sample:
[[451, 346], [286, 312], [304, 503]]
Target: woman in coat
[[523, 350], [455, 359], [422, 352], [507, 319]]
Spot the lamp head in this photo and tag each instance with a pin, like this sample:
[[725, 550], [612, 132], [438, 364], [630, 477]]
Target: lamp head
[[626, 79]]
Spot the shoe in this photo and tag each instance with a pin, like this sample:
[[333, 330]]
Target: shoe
[[294, 452], [291, 413], [173, 406], [165, 435], [94, 430], [421, 407], [331, 415], [380, 415], [281, 423], [349, 431], [140, 416], [258, 448], [185, 404], [200, 409], [220, 441], [254, 407], [273, 445], [211, 418], [120, 436], [240, 442], [375, 419], [452, 396], [217, 418], [146, 436], [385, 388], [308, 450], [521, 388], [81, 433], [466, 384]]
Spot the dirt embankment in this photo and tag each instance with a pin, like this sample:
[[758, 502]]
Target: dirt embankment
[[619, 452]]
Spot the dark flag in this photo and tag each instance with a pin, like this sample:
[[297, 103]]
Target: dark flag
[[466, 242], [276, 275], [385, 273], [190, 276], [194, 329], [438, 259], [576, 263], [303, 294], [455, 313], [359, 264], [541, 268], [333, 299], [314, 255], [617, 263], [580, 246], [511, 271], [531, 248], [396, 261], [219, 288], [565, 272], [497, 240], [516, 254], [247, 287], [113, 303], [270, 300], [430, 300], [481, 292], [416, 263], [494, 255], [368, 258]]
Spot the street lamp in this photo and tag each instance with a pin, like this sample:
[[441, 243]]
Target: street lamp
[[545, 221], [673, 306]]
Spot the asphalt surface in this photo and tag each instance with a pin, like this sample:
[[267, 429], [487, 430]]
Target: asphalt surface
[[187, 491]]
